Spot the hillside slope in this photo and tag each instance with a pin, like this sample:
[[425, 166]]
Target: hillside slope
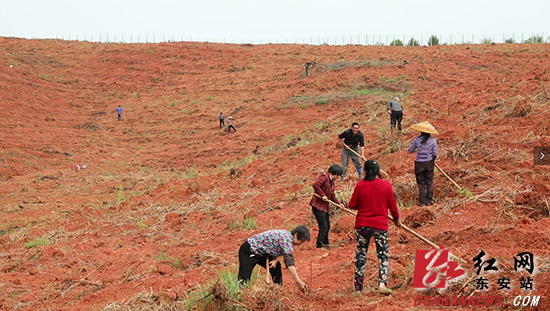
[[168, 197]]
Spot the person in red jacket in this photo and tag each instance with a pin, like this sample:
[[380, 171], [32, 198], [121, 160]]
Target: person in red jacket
[[372, 198], [324, 187]]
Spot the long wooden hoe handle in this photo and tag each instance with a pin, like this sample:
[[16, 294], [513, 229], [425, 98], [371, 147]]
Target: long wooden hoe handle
[[439, 168], [423, 239], [363, 158], [267, 278]]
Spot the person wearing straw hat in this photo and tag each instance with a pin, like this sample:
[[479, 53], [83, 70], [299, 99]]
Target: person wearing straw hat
[[352, 139], [230, 125], [372, 198], [395, 110], [426, 153]]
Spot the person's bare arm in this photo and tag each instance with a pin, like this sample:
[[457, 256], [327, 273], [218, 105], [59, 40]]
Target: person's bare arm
[[301, 285]]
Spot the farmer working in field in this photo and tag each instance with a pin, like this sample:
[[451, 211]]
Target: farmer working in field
[[372, 198], [424, 163], [352, 139], [395, 110], [230, 125], [324, 187], [119, 112], [269, 245], [222, 120]]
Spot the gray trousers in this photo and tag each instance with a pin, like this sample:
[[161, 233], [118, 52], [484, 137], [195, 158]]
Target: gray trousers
[[346, 154]]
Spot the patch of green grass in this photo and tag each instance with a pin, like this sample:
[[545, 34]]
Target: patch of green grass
[[120, 194], [340, 64], [362, 92], [395, 79], [208, 98], [4, 232], [141, 225], [172, 104], [321, 101], [322, 126], [38, 242], [238, 163], [162, 256], [227, 285], [248, 223], [176, 263], [465, 193]]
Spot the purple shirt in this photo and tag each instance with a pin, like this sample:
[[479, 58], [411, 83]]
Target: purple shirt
[[274, 243], [426, 152]]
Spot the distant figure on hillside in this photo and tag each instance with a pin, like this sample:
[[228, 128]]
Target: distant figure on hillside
[[395, 110], [222, 120], [265, 248], [119, 112], [426, 147], [309, 65], [230, 125], [255, 151]]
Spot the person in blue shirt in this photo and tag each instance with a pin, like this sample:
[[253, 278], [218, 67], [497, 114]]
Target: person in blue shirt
[[119, 111]]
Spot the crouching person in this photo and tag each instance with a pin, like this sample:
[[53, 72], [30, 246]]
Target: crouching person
[[269, 245]]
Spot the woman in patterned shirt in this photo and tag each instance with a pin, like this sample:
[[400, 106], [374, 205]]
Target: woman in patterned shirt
[[272, 244]]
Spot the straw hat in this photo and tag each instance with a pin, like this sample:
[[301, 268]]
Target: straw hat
[[230, 117], [424, 127]]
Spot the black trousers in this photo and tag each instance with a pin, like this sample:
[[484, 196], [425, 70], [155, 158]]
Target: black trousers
[[396, 118], [424, 172], [247, 262], [222, 123], [323, 221]]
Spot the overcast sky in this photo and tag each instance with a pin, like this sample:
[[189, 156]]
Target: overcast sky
[[272, 21]]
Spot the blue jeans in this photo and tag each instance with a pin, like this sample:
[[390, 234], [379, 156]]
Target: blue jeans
[[346, 154]]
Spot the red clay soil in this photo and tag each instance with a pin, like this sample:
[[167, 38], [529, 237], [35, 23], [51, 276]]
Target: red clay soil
[[166, 196]]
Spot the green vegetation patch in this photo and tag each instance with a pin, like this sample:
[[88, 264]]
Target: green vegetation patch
[[38, 242]]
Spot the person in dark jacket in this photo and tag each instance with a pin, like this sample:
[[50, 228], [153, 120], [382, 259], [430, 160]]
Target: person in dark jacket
[[372, 198], [324, 187], [426, 153], [222, 120], [352, 139], [395, 110]]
